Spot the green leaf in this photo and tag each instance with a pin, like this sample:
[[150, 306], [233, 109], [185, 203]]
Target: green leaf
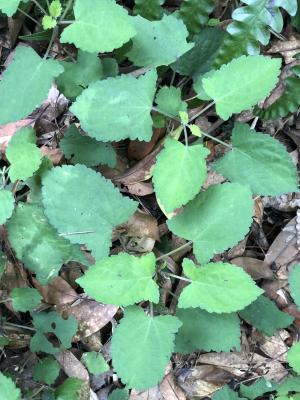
[[86, 150], [99, 27], [71, 389], [9, 391], [264, 315], [63, 329], [205, 331], [84, 207], [142, 346], [291, 384], [37, 244], [257, 389], [55, 8], [215, 220], [287, 103], [195, 13], [79, 75], [110, 67], [225, 393], [121, 280], [95, 362], [25, 299], [200, 58], [4, 341], [158, 42], [234, 86], [169, 101], [46, 370], [119, 394], [48, 22], [217, 287], [231, 48], [35, 77], [294, 283], [149, 9], [179, 172], [254, 21], [9, 7], [125, 113], [3, 259], [293, 357], [23, 154], [7, 203], [259, 161]]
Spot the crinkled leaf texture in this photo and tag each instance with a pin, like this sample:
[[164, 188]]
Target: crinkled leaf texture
[[25, 299], [287, 103], [9, 391], [259, 161], [37, 244], [86, 150], [179, 173], [27, 77], [234, 86], [142, 346], [46, 370], [195, 13], [100, 26], [217, 288], [205, 331], [117, 108], [264, 315], [121, 280], [63, 329], [293, 357], [294, 283], [215, 220], [158, 42], [84, 207], [7, 203], [169, 101], [23, 154], [77, 76]]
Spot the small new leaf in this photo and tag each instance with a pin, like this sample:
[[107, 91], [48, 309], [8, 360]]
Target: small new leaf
[[55, 9], [84, 207], [7, 203], [179, 173], [138, 338], [234, 86], [215, 220], [217, 287], [121, 280], [259, 161], [125, 113], [169, 101], [100, 26], [48, 22], [158, 42]]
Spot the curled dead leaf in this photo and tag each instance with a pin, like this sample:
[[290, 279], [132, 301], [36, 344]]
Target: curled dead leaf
[[256, 268], [58, 292]]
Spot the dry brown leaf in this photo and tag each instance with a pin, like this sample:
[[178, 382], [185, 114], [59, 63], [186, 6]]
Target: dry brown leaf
[[72, 366], [91, 316], [235, 363], [256, 268], [170, 390], [140, 225], [151, 394], [57, 292], [287, 48], [138, 150], [275, 346], [8, 130], [55, 155], [140, 188]]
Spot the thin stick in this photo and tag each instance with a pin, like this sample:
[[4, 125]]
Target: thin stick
[[202, 111], [66, 10], [39, 6], [54, 33], [178, 277], [183, 246], [29, 16]]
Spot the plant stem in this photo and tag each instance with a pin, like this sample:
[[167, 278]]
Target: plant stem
[[65, 22], [186, 136], [178, 277], [29, 16], [68, 6], [183, 246], [39, 6], [202, 111], [54, 34], [19, 326]]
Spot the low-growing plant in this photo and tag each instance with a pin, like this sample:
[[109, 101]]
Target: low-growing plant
[[57, 214]]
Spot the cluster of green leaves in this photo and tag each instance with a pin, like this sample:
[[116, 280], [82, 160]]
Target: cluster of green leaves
[[73, 205]]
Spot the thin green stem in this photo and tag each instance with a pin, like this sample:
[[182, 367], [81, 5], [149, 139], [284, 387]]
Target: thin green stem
[[29, 16], [39, 6], [186, 136], [217, 140], [183, 246], [202, 111], [178, 277], [48, 5], [66, 22], [68, 6], [54, 34]]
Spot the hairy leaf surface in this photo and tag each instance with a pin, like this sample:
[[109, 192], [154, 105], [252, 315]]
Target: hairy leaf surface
[[259, 161], [169, 101], [142, 346], [46, 370], [217, 287], [100, 26], [205, 331], [215, 220], [179, 173], [158, 42], [125, 112], [27, 77], [234, 86], [121, 280], [84, 207]]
